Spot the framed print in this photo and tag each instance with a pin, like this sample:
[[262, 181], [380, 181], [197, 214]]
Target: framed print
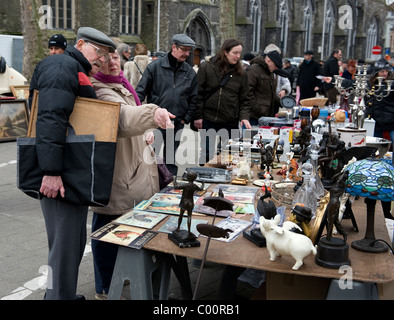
[[20, 92], [14, 119]]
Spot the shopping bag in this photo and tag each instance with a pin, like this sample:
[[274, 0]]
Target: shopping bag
[[87, 169]]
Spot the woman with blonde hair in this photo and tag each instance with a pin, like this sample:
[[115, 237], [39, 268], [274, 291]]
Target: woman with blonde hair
[[133, 70]]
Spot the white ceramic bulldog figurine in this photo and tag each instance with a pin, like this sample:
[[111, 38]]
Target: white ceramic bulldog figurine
[[282, 241]]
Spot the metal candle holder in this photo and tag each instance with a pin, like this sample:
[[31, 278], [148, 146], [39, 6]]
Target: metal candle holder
[[360, 89]]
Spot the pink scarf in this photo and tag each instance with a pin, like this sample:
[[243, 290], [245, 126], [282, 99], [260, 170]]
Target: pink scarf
[[118, 79]]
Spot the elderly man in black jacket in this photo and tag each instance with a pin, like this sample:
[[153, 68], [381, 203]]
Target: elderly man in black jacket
[[60, 79], [171, 83]]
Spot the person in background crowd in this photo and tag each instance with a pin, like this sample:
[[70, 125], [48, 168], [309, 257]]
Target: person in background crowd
[[60, 78], [124, 51], [57, 44], [283, 86], [351, 70], [382, 111], [264, 102], [247, 58], [157, 54], [132, 170], [307, 83], [330, 69], [133, 70], [171, 83], [292, 71], [223, 101]]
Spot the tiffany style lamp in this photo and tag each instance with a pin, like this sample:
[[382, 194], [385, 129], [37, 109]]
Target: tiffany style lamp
[[372, 179]]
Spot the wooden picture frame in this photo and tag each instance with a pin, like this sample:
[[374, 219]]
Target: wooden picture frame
[[14, 119], [90, 116], [20, 92]]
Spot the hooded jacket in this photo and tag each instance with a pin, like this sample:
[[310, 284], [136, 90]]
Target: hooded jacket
[[59, 78], [136, 176], [264, 102], [229, 104]]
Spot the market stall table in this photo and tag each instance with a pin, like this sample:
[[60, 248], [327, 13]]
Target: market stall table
[[366, 267]]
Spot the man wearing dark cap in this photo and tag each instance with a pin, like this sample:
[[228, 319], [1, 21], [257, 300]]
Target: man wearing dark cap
[[171, 83], [60, 79], [307, 83], [264, 102], [57, 44]]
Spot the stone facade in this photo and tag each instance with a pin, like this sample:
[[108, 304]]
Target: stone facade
[[294, 25]]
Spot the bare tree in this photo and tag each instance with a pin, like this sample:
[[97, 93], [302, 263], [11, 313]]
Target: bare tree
[[35, 38]]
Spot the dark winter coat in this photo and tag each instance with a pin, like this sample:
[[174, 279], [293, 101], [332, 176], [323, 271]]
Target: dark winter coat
[[381, 111], [264, 102], [59, 78], [330, 69], [227, 105], [307, 80], [174, 91]]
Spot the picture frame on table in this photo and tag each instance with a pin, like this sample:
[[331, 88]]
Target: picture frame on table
[[14, 119], [20, 92]]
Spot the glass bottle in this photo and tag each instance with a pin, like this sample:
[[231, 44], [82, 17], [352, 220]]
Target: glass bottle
[[306, 194], [314, 154]]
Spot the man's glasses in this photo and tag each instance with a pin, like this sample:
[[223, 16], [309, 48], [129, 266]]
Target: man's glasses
[[187, 49], [100, 52]]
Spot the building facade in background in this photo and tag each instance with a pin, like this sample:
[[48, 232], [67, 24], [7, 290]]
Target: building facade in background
[[354, 26]]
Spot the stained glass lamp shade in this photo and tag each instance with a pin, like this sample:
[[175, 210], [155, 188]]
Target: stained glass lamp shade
[[374, 180]]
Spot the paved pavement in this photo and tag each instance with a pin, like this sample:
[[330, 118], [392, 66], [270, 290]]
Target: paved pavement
[[23, 246]]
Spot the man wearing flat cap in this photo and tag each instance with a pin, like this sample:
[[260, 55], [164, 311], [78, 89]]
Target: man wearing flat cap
[[307, 83], [171, 83], [60, 78]]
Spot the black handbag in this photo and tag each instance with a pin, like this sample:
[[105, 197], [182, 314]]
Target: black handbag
[[87, 169], [165, 176]]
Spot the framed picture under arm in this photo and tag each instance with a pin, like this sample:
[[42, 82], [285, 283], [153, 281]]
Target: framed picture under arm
[[14, 119]]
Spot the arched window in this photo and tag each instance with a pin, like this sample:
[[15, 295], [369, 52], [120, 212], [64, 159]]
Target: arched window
[[62, 13], [130, 17], [255, 16], [308, 25], [372, 38], [284, 23]]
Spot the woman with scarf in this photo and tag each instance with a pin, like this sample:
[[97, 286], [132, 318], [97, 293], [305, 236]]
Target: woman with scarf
[[135, 164]]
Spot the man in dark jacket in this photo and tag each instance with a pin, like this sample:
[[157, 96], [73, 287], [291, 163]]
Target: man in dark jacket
[[60, 79], [171, 83], [307, 83], [330, 69]]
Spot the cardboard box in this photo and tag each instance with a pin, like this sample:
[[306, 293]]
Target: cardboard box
[[282, 286]]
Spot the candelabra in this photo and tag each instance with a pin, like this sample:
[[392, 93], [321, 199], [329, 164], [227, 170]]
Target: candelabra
[[360, 89]]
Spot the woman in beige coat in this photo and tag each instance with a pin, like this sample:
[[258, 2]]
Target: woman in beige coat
[[135, 172]]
